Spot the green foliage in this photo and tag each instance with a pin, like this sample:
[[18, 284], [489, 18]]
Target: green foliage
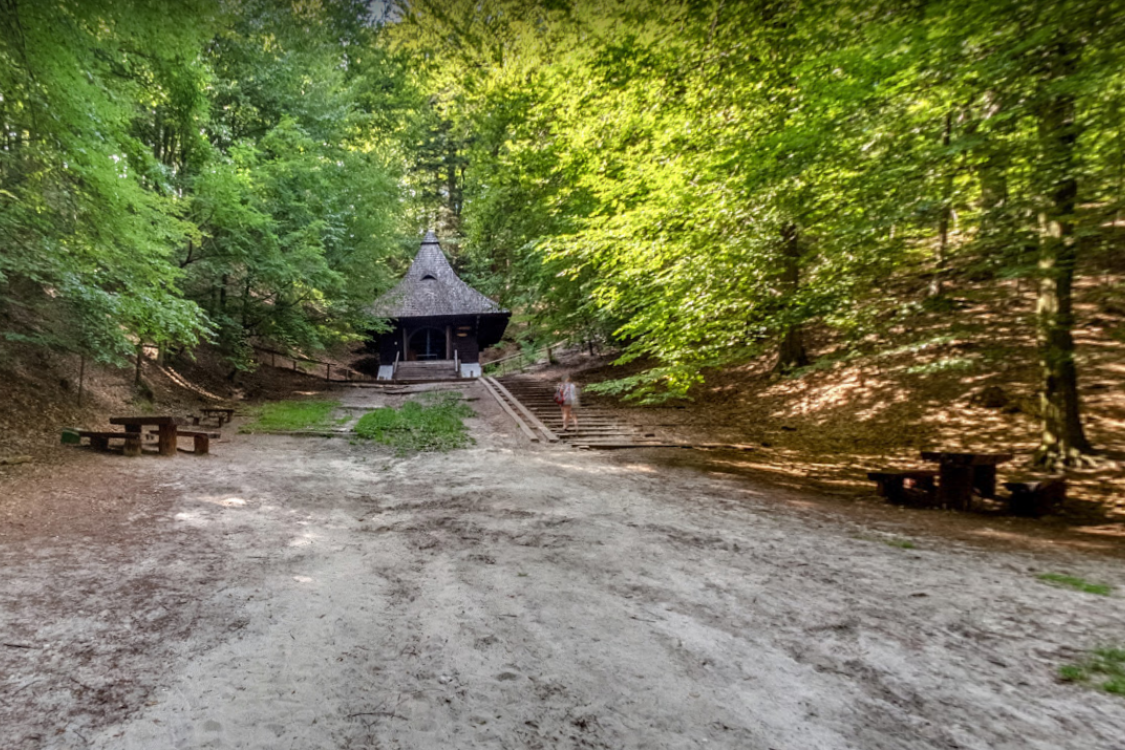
[[87, 219], [1103, 667], [1076, 583], [698, 180], [201, 170], [695, 181], [286, 416], [431, 423]]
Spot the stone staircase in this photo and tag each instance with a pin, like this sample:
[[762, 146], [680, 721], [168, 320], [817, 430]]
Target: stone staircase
[[597, 426], [433, 369]]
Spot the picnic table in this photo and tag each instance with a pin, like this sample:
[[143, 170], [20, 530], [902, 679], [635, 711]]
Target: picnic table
[[166, 430], [959, 474]]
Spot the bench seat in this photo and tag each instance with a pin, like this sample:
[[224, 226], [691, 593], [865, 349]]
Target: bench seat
[[221, 415], [1036, 498], [100, 440], [891, 483]]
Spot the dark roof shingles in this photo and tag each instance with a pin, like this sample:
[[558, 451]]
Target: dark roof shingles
[[430, 288]]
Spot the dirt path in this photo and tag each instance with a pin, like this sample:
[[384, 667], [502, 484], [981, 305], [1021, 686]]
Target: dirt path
[[299, 593]]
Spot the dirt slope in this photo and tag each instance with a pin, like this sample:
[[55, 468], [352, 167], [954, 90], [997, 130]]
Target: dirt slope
[[294, 592], [912, 383]]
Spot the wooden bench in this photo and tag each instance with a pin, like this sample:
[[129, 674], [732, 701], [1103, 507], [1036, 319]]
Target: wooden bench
[[891, 484], [220, 414], [100, 440], [1035, 499], [201, 440]]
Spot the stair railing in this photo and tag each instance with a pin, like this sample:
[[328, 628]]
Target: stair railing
[[520, 360], [394, 367]]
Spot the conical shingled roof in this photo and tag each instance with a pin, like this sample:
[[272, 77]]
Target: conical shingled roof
[[431, 288]]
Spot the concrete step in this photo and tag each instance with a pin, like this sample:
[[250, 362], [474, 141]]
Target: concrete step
[[597, 425], [435, 369]]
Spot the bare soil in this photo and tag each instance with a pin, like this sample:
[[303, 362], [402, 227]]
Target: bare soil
[[296, 592]]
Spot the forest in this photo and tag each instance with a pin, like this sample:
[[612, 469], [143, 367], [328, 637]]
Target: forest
[[699, 182]]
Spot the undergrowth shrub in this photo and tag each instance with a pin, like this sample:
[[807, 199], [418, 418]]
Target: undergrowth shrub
[[431, 423]]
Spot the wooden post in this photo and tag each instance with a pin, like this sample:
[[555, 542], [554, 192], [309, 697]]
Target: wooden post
[[328, 371], [955, 488], [167, 440], [81, 377], [132, 444]]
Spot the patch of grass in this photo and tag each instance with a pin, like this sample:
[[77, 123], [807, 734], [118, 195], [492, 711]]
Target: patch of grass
[[292, 415], [946, 364], [1104, 669], [431, 423], [1076, 583]]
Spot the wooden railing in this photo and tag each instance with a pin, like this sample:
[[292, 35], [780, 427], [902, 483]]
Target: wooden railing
[[349, 375], [519, 361]]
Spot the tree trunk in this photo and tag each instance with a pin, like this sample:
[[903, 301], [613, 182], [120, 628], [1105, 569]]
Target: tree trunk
[[1064, 442], [946, 212], [992, 172], [137, 373], [993, 175], [791, 352]]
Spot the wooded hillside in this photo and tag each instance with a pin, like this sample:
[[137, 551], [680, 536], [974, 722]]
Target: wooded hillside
[[701, 182], [705, 181]]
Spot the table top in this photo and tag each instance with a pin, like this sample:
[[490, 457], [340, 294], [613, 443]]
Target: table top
[[967, 459], [146, 419]]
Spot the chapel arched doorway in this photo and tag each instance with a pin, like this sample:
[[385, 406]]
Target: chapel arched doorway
[[426, 343]]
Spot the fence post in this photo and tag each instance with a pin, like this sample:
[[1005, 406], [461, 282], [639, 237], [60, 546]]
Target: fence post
[[328, 371]]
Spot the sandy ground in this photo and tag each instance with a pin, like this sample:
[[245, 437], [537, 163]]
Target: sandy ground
[[302, 593]]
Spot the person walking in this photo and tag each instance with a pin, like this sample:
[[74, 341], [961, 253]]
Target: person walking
[[566, 396]]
